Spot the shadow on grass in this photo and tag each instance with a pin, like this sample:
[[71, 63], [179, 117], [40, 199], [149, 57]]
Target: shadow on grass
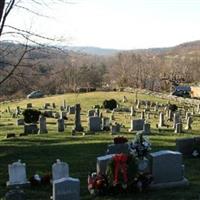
[[81, 158]]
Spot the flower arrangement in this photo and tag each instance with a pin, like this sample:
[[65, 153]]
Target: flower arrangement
[[120, 140], [140, 146], [36, 179], [97, 184]]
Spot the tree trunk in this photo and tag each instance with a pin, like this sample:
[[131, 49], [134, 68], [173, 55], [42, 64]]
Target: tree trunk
[[2, 5]]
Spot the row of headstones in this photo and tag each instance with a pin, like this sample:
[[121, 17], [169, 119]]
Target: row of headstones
[[148, 104], [175, 117], [177, 121], [165, 166], [64, 186], [98, 124], [33, 129]]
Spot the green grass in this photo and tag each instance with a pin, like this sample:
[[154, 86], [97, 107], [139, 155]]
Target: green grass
[[40, 151]]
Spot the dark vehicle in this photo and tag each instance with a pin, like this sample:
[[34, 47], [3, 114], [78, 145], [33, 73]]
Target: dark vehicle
[[35, 94], [182, 91]]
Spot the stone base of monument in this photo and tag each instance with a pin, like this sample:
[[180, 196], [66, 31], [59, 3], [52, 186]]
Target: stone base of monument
[[17, 185], [182, 183]]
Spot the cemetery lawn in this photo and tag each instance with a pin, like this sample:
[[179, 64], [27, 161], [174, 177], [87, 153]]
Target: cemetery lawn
[[39, 152]]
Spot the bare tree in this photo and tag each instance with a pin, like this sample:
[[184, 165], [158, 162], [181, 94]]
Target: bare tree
[[29, 38]]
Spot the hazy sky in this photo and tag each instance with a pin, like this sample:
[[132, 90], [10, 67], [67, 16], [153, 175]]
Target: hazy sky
[[122, 24]]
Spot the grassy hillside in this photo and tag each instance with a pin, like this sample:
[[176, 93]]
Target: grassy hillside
[[40, 151]]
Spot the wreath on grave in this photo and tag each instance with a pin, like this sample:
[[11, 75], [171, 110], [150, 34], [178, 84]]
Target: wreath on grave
[[123, 175], [121, 171]]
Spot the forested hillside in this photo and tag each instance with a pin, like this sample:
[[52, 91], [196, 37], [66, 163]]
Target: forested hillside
[[55, 70]]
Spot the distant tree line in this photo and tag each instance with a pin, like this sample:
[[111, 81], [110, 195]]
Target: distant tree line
[[54, 72]]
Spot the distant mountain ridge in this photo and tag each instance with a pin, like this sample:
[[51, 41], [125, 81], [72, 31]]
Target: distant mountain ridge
[[92, 50], [187, 48], [184, 47]]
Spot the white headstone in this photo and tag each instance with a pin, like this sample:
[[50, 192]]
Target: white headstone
[[60, 170], [66, 189], [17, 174]]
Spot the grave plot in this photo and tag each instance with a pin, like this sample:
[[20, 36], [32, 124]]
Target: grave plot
[[128, 167]]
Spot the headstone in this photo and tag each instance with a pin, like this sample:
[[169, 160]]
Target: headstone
[[188, 114], [101, 115], [161, 120], [148, 116], [142, 115], [147, 103], [64, 104], [115, 128], [71, 110], [14, 115], [132, 111], [61, 125], [185, 145], [112, 117], [30, 129], [66, 189], [94, 124], [63, 114], [138, 104], [60, 170], [96, 112], [53, 105], [48, 113], [46, 105], [118, 148], [156, 107], [15, 194], [20, 122], [166, 166], [78, 126], [125, 99], [193, 111], [17, 111], [146, 129], [102, 163], [91, 113], [179, 128], [62, 108], [176, 119], [189, 123], [17, 174], [42, 125], [105, 123], [9, 109], [137, 125], [170, 115]]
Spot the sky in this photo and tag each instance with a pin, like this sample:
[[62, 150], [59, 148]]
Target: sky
[[119, 24]]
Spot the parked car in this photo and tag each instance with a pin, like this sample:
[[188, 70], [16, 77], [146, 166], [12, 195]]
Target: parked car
[[182, 91], [35, 94]]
